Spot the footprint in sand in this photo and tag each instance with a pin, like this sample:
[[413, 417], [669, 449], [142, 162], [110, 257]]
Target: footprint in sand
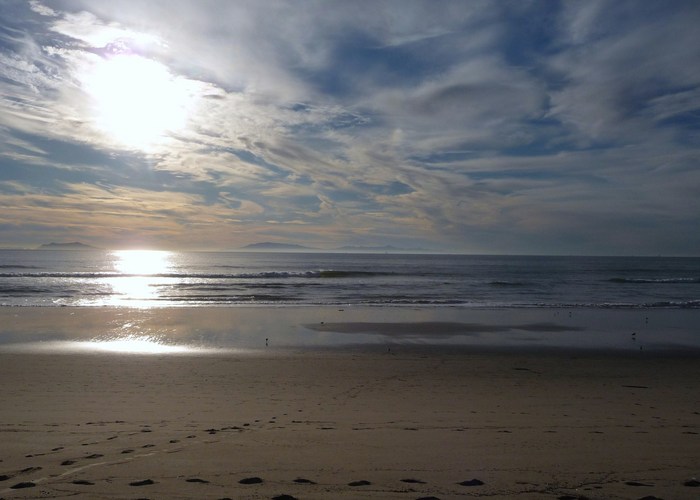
[[25, 484], [413, 481], [301, 480], [251, 480], [197, 480], [284, 497], [472, 482], [637, 483], [145, 482], [359, 483], [83, 482]]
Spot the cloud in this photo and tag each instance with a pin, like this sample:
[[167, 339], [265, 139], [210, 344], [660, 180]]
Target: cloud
[[480, 126], [614, 75]]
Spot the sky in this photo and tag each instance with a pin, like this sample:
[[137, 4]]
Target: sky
[[507, 127]]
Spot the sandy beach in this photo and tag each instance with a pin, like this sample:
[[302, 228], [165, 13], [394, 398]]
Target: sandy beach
[[353, 423]]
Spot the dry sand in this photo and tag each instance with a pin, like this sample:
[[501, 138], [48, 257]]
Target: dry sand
[[350, 424]]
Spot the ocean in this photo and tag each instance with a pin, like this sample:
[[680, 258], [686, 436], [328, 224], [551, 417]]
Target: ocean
[[163, 302], [171, 279]]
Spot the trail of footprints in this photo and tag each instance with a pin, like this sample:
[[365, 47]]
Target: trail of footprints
[[15, 480]]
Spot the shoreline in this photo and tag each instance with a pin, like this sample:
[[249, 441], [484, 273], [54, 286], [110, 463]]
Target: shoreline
[[348, 403], [204, 329]]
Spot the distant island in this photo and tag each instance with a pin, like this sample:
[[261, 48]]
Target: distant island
[[268, 246], [74, 245]]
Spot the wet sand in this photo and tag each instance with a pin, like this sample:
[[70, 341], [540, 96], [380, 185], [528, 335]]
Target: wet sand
[[351, 423]]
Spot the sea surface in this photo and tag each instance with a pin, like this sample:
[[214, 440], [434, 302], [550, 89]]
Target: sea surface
[[172, 279]]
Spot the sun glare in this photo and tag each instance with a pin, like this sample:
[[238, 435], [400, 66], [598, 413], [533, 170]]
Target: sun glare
[[140, 280], [142, 262], [136, 101]]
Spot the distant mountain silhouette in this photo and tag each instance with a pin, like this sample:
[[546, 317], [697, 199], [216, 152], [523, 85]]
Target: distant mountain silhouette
[[75, 245], [268, 245], [385, 248]]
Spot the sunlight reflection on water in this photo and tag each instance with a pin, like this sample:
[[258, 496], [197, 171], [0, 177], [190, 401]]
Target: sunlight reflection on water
[[135, 345], [126, 346]]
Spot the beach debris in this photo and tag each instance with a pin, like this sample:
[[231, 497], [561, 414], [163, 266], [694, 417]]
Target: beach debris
[[4, 477], [472, 482], [68, 462], [284, 497], [95, 455], [197, 480], [251, 480], [359, 483], [83, 482], [145, 482], [637, 483], [24, 484], [412, 481]]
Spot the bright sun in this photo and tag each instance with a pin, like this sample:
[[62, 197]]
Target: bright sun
[[137, 101]]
